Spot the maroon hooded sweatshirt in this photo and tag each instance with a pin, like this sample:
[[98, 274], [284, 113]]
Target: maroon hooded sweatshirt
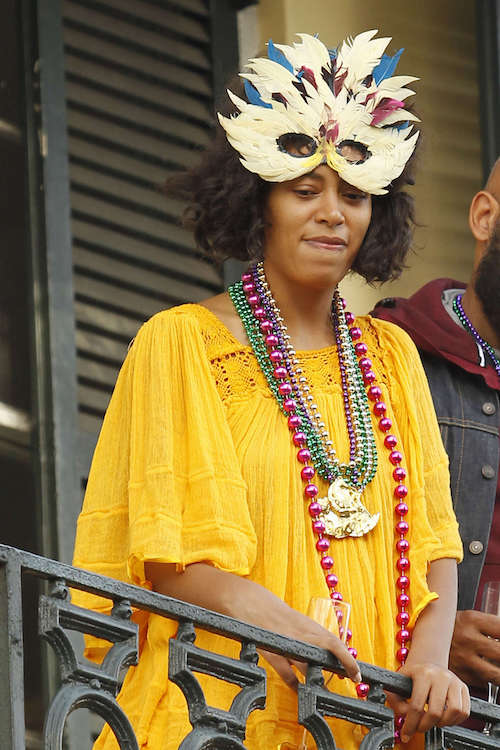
[[427, 322]]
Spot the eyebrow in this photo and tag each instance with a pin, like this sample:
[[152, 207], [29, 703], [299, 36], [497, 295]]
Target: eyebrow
[[312, 176], [350, 185]]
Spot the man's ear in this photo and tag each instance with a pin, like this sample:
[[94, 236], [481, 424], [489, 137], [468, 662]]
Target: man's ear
[[483, 214]]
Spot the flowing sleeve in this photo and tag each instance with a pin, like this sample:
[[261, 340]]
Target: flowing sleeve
[[165, 483], [433, 525]]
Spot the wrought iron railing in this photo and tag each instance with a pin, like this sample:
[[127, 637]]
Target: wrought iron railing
[[86, 685]]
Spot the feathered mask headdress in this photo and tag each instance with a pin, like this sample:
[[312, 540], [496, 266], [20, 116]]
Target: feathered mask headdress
[[308, 105]]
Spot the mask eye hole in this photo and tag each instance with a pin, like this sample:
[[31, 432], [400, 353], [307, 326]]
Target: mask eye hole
[[353, 152], [297, 144]]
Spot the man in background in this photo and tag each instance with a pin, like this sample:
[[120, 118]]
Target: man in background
[[456, 328]]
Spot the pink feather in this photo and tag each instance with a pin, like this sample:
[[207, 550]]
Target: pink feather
[[384, 108]]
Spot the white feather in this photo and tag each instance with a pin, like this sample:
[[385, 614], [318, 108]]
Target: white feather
[[310, 49], [399, 115], [360, 56], [255, 130]]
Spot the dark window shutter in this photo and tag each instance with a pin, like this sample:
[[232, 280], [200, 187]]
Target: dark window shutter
[[139, 96], [119, 94], [122, 95]]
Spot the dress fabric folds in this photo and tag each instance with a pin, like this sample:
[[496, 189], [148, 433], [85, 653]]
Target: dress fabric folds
[[195, 463]]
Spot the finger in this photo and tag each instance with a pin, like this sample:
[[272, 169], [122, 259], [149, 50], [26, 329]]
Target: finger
[[349, 663], [462, 713], [465, 701], [398, 704], [282, 666], [439, 694], [300, 666], [488, 624], [316, 634], [454, 712], [416, 706], [486, 670], [489, 649], [476, 671]]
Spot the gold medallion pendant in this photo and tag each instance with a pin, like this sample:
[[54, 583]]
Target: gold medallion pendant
[[343, 512]]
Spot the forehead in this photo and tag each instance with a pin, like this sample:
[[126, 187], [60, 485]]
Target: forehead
[[323, 175]]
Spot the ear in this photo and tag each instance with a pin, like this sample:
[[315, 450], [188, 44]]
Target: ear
[[483, 214]]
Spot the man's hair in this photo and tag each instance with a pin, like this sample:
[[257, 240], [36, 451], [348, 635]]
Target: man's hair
[[226, 211]]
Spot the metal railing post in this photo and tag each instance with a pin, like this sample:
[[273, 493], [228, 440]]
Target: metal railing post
[[11, 653]]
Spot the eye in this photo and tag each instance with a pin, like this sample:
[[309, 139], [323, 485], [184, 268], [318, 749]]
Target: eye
[[353, 152], [297, 144], [354, 195], [305, 191]]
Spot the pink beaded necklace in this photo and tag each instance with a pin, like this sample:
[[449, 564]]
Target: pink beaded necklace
[[247, 302]]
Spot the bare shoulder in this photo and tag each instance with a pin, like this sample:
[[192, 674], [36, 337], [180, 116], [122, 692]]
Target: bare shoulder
[[222, 307]]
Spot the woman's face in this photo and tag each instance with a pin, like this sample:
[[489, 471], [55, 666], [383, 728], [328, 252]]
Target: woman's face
[[316, 225]]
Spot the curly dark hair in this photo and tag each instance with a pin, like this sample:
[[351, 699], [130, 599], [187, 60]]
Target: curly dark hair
[[226, 207]]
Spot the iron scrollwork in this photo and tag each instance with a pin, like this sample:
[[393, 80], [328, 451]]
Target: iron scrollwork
[[459, 738], [95, 686], [214, 727], [316, 702], [86, 685]]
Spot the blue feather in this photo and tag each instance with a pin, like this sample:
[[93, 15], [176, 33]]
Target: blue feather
[[386, 66], [402, 125], [277, 56], [253, 96]]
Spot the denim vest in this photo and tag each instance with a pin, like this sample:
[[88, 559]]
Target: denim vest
[[468, 413]]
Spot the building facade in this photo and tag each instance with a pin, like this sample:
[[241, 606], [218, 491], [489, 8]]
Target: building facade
[[100, 100]]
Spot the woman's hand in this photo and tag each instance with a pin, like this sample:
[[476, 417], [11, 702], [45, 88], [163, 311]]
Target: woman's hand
[[439, 698], [289, 622], [235, 596]]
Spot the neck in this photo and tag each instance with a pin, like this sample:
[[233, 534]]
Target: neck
[[306, 310], [474, 311]]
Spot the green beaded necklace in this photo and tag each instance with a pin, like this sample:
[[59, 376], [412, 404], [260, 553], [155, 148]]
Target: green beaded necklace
[[362, 467]]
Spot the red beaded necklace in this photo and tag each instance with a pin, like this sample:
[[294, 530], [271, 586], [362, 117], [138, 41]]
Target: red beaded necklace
[[246, 290]]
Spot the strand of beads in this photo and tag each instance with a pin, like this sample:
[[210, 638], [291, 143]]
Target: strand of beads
[[269, 348], [259, 331], [466, 323], [362, 465], [354, 372], [322, 452], [275, 341], [374, 392], [268, 342]]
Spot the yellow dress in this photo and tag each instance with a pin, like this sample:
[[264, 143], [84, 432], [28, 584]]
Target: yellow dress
[[195, 463]]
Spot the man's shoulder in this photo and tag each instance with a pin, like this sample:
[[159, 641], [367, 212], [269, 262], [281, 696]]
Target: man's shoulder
[[430, 293]]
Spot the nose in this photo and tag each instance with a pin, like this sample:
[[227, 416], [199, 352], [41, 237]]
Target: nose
[[329, 209]]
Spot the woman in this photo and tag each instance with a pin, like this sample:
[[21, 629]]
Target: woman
[[248, 461]]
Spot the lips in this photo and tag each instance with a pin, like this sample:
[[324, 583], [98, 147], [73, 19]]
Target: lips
[[328, 242]]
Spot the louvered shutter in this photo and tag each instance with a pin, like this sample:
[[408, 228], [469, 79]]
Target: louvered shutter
[[119, 94], [139, 105]]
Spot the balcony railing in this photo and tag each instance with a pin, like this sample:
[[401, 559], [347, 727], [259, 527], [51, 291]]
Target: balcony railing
[[86, 685]]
